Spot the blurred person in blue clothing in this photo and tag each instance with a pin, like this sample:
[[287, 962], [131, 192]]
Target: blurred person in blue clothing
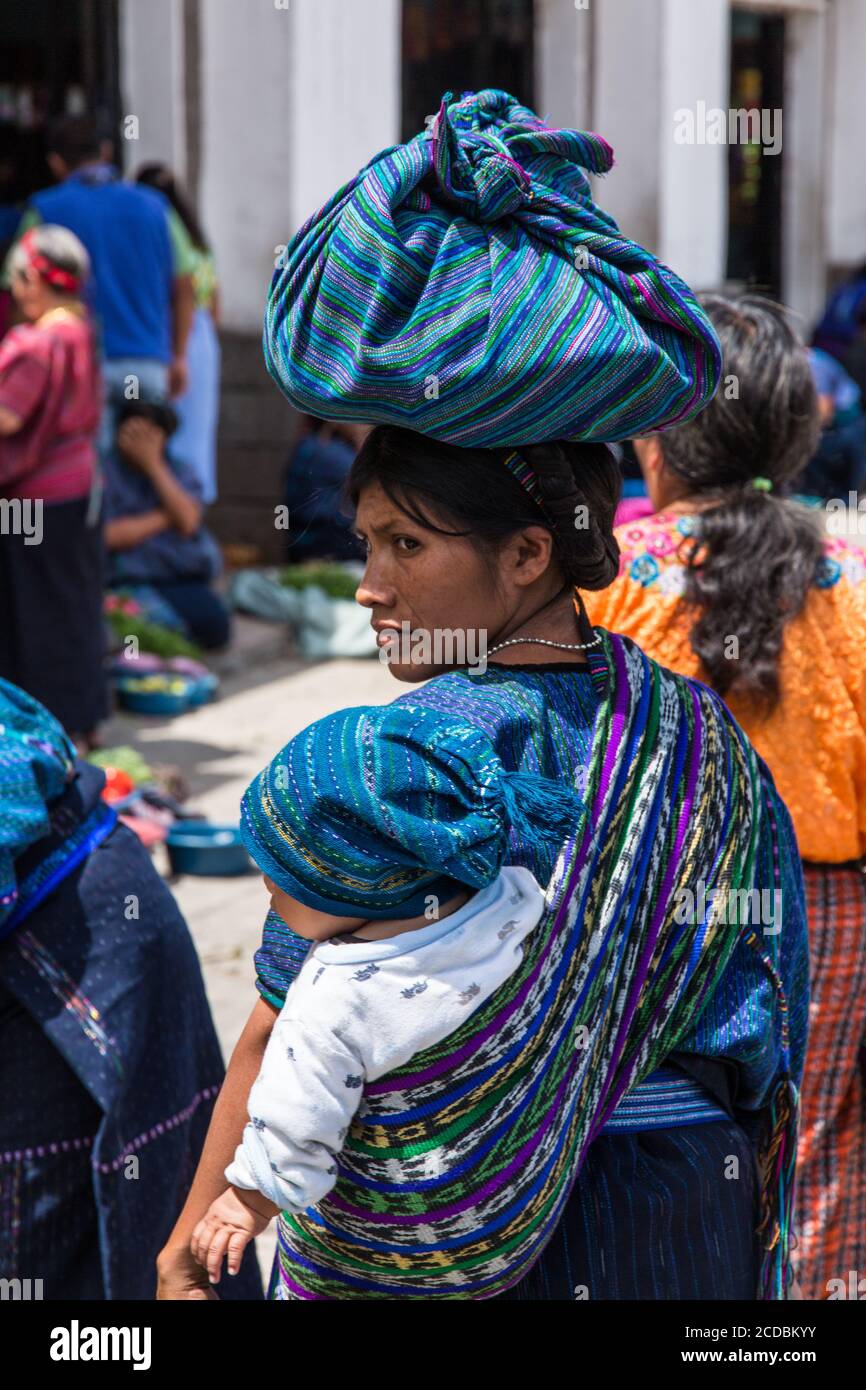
[[839, 465], [141, 269], [854, 361], [837, 327], [109, 1062], [320, 526], [198, 407], [153, 524]]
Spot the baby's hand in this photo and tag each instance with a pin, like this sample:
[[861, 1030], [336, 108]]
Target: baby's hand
[[228, 1226]]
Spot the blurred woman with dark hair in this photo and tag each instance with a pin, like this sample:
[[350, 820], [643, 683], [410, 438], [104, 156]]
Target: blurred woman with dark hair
[[198, 407], [731, 582]]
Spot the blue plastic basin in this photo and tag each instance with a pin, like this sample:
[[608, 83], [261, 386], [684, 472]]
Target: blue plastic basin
[[200, 847], [132, 697]]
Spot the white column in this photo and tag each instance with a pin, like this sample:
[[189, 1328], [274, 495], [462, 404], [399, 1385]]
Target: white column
[[846, 134], [693, 183], [152, 83], [244, 161], [295, 97], [345, 93], [807, 140], [628, 111], [563, 62]]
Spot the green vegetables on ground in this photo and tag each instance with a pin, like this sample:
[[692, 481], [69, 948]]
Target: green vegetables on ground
[[334, 579]]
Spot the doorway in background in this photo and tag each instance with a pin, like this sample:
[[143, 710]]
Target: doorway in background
[[755, 178], [463, 46]]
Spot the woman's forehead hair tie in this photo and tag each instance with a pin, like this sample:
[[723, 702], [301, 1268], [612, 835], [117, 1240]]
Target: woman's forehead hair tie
[[53, 275], [762, 484]]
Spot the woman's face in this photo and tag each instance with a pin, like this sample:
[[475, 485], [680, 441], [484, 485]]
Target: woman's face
[[28, 291], [435, 601]]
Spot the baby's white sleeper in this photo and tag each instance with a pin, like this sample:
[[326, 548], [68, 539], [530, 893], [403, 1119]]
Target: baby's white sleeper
[[358, 1010]]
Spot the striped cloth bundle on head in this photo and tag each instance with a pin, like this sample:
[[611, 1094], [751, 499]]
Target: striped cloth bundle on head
[[459, 1164], [465, 285]]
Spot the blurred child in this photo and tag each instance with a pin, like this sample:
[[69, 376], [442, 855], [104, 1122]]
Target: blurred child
[[153, 524]]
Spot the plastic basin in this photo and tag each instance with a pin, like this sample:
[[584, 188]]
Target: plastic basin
[[132, 697], [200, 847]]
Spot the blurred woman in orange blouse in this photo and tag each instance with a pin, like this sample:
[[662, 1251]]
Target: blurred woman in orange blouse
[[732, 583]]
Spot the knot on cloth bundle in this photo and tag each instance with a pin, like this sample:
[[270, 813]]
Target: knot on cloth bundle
[[466, 285], [377, 808], [478, 145], [36, 762]]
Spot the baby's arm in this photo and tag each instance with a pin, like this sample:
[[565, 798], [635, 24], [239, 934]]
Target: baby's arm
[[301, 1106]]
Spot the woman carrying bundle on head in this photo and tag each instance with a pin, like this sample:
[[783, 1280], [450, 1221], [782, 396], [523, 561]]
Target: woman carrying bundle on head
[[569, 1136], [731, 582]]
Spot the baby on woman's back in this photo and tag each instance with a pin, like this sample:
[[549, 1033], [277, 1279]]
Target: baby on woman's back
[[370, 995]]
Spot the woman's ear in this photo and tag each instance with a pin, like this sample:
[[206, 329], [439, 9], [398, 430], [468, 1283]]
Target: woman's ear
[[650, 455], [527, 555]]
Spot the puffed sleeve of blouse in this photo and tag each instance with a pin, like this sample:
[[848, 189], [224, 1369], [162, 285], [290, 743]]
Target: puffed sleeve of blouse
[[373, 810], [25, 364], [849, 648]]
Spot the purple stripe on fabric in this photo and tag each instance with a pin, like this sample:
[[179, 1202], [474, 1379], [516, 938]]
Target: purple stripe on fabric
[[453, 1060], [617, 723], [612, 752], [301, 1292], [386, 1085], [474, 1198], [655, 926]]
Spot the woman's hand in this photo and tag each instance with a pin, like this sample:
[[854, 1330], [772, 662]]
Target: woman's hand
[[179, 1275], [180, 1278], [141, 442]]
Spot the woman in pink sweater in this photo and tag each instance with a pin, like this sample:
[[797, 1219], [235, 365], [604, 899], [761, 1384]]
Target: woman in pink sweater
[[51, 634]]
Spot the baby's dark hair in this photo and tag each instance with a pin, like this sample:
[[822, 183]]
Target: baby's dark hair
[[433, 482]]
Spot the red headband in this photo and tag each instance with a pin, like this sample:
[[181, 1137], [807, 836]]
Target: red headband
[[53, 274]]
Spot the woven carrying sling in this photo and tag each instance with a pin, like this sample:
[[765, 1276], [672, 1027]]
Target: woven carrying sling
[[459, 1164]]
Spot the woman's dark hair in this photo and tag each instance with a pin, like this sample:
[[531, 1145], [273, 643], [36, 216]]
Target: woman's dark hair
[[158, 412], [159, 176], [75, 138], [433, 482], [754, 554]]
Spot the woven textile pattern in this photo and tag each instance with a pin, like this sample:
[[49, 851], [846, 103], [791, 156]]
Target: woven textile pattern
[[831, 1171], [465, 285], [822, 671], [456, 1172], [36, 762]]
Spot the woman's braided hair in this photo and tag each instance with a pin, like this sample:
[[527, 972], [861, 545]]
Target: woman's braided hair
[[755, 554], [579, 486]]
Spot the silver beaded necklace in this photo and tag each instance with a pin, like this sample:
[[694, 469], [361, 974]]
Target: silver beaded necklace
[[546, 642]]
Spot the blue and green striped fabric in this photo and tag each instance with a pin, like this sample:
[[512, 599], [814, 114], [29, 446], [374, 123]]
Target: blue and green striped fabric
[[37, 761], [465, 285]]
